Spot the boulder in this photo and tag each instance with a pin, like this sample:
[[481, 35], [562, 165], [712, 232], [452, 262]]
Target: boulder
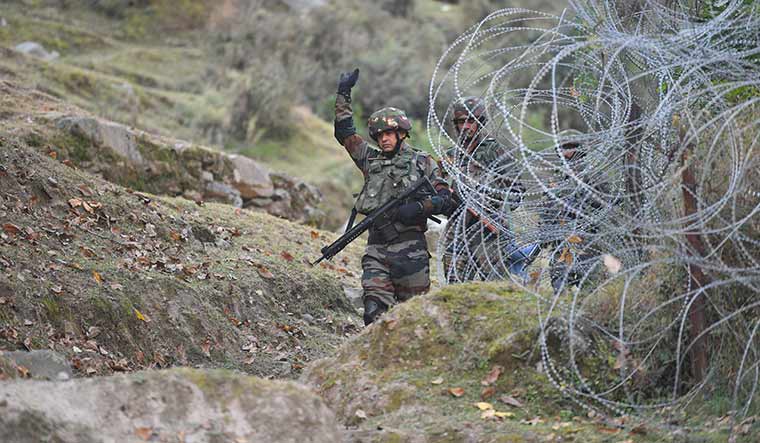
[[174, 405], [217, 191], [37, 50], [251, 178], [158, 165], [41, 365], [105, 134]]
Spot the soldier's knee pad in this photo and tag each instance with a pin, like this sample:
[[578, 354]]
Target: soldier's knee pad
[[372, 310]]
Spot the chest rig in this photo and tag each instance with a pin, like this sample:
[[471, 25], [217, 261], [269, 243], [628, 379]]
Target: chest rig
[[387, 178]]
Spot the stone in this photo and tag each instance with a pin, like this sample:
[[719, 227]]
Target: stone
[[221, 191], [354, 295], [37, 50], [250, 178], [203, 234], [3, 22], [107, 134], [160, 405], [42, 365]]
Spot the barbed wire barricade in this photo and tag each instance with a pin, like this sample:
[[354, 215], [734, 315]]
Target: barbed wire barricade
[[643, 245]]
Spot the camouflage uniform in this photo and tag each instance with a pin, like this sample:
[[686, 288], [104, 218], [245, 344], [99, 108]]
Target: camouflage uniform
[[484, 242], [394, 269], [569, 218]]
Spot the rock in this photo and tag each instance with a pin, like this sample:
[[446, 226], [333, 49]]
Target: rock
[[251, 178], [221, 191], [295, 199], [3, 23], [106, 134], [160, 405], [37, 50], [161, 166], [203, 234], [354, 295], [42, 365]]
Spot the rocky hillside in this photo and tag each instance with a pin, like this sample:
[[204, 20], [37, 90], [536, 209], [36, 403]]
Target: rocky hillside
[[119, 280]]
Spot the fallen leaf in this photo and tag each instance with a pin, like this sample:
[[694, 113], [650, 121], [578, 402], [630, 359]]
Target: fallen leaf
[[53, 155], [488, 414], [57, 290], [116, 287], [11, 229], [574, 239], [606, 430], [264, 273], [286, 255], [511, 401], [144, 433], [23, 371], [437, 381], [612, 263], [85, 190], [87, 252], [206, 347], [456, 392], [483, 406], [314, 235], [566, 256], [176, 236], [487, 392], [75, 202], [492, 376], [140, 316], [504, 414], [361, 414], [98, 278]]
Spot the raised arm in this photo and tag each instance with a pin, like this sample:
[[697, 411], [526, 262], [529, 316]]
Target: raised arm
[[345, 131]]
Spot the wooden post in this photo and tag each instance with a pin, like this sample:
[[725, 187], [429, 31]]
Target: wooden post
[[697, 318]]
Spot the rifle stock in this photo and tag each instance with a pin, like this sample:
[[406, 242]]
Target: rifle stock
[[352, 234]]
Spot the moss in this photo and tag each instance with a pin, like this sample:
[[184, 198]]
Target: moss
[[222, 385], [55, 312]]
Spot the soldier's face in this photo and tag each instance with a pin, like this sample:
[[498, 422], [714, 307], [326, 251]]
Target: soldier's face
[[387, 140], [466, 126]]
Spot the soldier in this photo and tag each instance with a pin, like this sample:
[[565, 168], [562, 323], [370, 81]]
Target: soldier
[[396, 262], [571, 213], [486, 161]]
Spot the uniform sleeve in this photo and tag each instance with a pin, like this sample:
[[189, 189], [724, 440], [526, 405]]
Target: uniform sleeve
[[346, 135], [433, 173]]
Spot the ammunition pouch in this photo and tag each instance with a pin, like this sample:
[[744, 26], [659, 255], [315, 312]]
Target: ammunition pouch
[[383, 230]]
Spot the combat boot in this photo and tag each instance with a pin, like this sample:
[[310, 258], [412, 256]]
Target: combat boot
[[373, 309]]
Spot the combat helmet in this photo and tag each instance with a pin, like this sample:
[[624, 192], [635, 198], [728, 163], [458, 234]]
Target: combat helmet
[[388, 119], [471, 105]]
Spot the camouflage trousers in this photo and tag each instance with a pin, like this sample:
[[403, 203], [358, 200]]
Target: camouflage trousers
[[395, 272]]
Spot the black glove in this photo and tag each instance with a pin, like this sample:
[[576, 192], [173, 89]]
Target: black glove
[[346, 82], [410, 213]]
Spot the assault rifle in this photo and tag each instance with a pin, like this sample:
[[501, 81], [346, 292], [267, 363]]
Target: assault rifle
[[382, 213]]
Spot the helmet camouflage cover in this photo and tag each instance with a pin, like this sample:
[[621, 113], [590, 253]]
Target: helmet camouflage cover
[[388, 119], [470, 105]]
